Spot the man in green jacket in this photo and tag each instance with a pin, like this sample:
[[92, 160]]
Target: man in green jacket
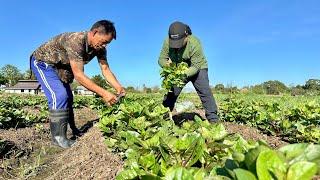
[[182, 46]]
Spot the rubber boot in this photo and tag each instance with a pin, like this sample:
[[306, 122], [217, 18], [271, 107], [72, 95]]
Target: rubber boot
[[58, 126]]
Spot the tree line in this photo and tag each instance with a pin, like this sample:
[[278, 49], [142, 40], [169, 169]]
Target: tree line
[[273, 87], [10, 74]]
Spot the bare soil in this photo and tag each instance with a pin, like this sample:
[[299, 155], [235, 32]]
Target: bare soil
[[30, 154]]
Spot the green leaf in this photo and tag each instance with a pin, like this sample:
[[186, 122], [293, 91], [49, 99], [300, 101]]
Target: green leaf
[[138, 123], [302, 171], [241, 145], [185, 142], [251, 157], [194, 152], [238, 156], [270, 166], [293, 150], [163, 166], [164, 152], [154, 140], [110, 142], [131, 137], [147, 160], [178, 173], [310, 154], [127, 174], [242, 174], [132, 154], [214, 132], [150, 177], [200, 174]]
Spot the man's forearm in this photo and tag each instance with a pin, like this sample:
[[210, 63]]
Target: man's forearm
[[111, 79]]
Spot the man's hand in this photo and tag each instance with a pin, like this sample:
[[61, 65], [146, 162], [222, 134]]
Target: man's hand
[[185, 78], [168, 62], [121, 90], [109, 98]]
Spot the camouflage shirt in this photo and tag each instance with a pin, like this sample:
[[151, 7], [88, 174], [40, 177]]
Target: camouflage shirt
[[65, 47]]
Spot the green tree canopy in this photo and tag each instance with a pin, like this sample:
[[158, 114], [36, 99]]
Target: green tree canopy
[[11, 74], [312, 84], [28, 75], [100, 81], [275, 87], [3, 80], [219, 88]]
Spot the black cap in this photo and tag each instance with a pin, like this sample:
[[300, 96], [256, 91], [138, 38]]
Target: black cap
[[177, 34]]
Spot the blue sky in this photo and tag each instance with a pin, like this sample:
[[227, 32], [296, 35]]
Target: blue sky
[[245, 42]]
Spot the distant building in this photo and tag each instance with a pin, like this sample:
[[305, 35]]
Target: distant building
[[81, 90], [2, 87], [24, 87]]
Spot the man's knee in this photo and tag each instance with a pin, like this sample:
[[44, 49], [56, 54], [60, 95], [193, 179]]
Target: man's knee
[[205, 93]]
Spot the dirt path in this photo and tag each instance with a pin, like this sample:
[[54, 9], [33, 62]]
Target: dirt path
[[87, 159], [250, 133], [32, 156]]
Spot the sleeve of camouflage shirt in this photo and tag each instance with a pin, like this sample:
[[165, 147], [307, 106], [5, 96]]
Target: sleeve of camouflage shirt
[[196, 58], [75, 48], [164, 54]]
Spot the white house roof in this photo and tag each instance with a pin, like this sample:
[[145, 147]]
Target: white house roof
[[26, 84], [81, 88]]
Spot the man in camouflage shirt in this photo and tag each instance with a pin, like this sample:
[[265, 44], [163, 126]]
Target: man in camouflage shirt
[[57, 62], [182, 46]]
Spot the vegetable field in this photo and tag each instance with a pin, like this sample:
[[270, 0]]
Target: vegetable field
[[152, 146]]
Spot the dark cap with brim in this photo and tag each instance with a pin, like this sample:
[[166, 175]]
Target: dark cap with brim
[[177, 34]]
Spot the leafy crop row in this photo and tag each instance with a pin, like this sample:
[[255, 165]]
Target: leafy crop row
[[153, 147]]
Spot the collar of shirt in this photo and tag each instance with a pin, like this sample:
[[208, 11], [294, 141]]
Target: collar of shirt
[[87, 43]]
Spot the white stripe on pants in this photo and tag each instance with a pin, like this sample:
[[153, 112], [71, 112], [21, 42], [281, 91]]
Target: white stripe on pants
[[53, 95]]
